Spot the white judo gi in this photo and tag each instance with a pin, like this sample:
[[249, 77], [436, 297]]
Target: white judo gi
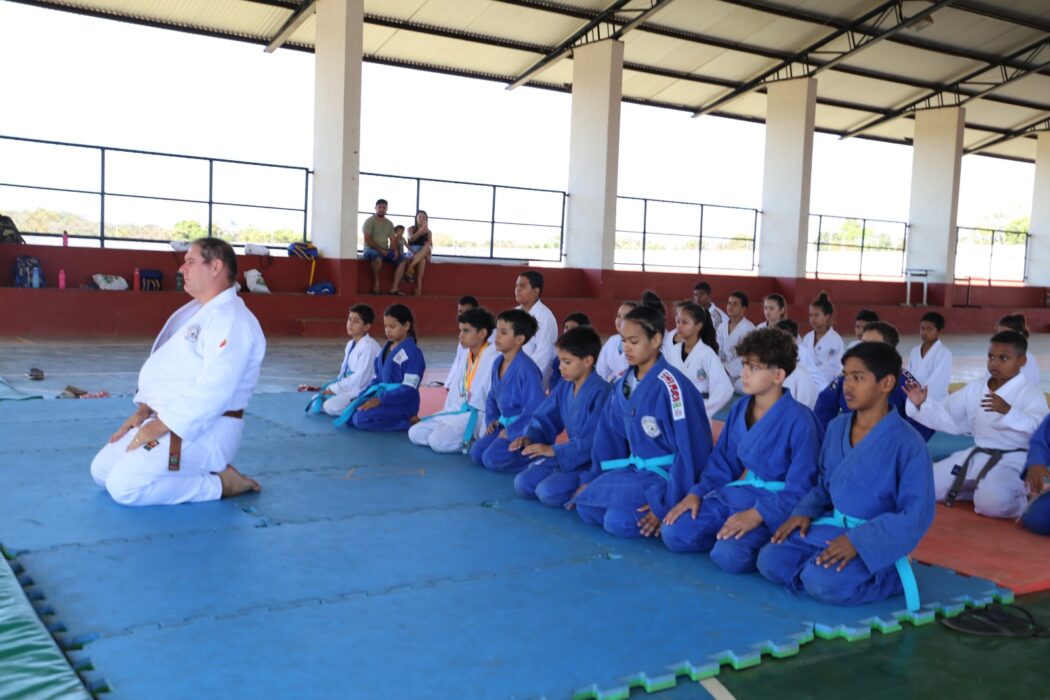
[[541, 346], [727, 351], [1002, 492], [466, 383], [204, 363], [357, 372], [933, 371], [705, 370], [612, 363], [824, 359]]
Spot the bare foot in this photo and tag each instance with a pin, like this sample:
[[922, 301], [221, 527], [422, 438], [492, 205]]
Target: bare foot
[[234, 483]]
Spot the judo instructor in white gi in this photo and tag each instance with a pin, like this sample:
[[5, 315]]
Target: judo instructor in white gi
[[178, 445]]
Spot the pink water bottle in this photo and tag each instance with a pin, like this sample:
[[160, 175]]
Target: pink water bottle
[[65, 239], [62, 279], [137, 284]]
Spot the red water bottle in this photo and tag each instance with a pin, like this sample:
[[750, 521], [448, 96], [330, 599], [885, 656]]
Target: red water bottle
[[137, 281], [65, 239], [62, 279]]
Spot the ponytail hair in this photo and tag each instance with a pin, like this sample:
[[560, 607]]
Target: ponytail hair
[[402, 314], [708, 335], [1016, 323], [823, 302], [653, 301]]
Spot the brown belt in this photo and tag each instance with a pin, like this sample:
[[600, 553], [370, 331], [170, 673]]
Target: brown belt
[[175, 445]]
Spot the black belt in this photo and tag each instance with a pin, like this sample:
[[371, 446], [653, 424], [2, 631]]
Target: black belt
[[175, 444], [994, 456]]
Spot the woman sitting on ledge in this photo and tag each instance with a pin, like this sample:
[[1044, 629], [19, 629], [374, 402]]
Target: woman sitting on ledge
[[419, 243]]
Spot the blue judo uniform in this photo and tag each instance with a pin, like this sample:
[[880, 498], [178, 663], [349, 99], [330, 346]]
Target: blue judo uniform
[[553, 480], [396, 384], [1037, 517], [880, 494], [511, 401], [832, 402], [780, 453], [649, 449]]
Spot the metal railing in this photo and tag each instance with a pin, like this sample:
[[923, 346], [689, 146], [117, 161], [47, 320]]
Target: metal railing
[[94, 187], [671, 235], [473, 219], [846, 247], [988, 255]]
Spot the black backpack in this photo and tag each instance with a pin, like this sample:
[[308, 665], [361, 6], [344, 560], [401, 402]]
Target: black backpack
[[8, 231]]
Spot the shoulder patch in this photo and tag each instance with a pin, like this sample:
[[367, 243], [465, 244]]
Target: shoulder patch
[[400, 357], [675, 393]]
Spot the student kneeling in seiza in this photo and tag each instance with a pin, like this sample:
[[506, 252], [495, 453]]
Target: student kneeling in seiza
[[516, 391], [1001, 411], [574, 405], [775, 438], [848, 539], [463, 417], [357, 370], [652, 441]]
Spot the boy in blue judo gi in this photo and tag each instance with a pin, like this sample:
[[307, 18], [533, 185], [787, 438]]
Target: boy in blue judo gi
[[832, 401], [848, 539], [1037, 478], [391, 401], [771, 435], [515, 392], [653, 438], [574, 406]]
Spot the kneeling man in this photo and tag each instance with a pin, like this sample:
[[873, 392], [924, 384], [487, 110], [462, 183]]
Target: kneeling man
[[178, 445]]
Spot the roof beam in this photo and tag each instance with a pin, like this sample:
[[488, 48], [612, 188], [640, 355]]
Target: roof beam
[[1034, 58], [1040, 124], [292, 24], [857, 42], [998, 13]]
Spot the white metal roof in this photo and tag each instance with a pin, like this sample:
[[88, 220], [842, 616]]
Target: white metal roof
[[695, 54]]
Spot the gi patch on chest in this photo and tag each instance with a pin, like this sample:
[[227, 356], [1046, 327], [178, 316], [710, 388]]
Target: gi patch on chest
[[650, 426], [400, 357], [675, 393], [701, 375], [192, 333]]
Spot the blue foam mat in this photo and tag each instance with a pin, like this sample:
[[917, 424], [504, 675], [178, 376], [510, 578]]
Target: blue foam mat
[[369, 567]]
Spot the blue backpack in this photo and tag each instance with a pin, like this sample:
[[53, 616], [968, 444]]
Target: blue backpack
[[26, 268]]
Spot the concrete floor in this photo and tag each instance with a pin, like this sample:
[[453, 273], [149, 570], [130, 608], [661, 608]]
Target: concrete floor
[[113, 365]]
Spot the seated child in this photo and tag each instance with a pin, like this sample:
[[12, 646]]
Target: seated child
[[696, 356], [573, 320], [775, 438], [391, 401], [574, 406], [848, 539], [735, 331], [652, 440], [611, 362], [1001, 412], [860, 322], [800, 382], [1018, 323], [357, 370], [1037, 479], [930, 362], [463, 417], [516, 390], [832, 401]]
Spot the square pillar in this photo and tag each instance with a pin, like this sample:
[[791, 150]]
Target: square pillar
[[594, 155], [791, 107], [936, 164], [1039, 228], [337, 127]]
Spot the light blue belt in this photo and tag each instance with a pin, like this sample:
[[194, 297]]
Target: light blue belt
[[505, 421], [472, 422], [904, 570], [314, 407], [349, 411], [652, 464], [751, 480]]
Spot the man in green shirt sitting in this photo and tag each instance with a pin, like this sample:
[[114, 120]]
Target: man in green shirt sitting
[[379, 246]]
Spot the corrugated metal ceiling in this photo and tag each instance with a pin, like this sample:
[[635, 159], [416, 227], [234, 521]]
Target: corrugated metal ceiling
[[690, 53]]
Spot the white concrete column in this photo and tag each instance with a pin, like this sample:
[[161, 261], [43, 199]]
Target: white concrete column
[[1039, 228], [594, 155], [936, 163], [790, 112], [337, 126]]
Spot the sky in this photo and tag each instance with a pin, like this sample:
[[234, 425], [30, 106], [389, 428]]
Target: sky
[[78, 79]]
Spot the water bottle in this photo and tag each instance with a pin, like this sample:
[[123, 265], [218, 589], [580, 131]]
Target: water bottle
[[178, 281], [137, 285], [62, 279], [65, 239], [36, 278]]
